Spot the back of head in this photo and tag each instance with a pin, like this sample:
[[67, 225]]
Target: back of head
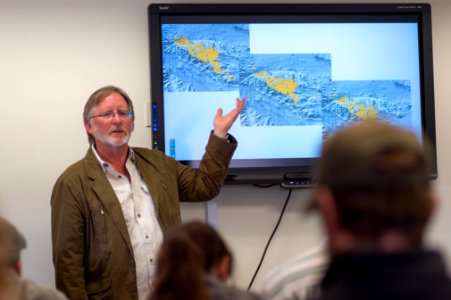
[[189, 252], [12, 243], [378, 176], [179, 270], [208, 240]]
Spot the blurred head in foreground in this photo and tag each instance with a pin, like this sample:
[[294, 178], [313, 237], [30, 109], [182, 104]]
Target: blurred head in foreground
[[189, 253], [12, 243], [373, 188]]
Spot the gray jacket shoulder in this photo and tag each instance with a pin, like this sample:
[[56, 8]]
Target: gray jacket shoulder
[[28, 290]]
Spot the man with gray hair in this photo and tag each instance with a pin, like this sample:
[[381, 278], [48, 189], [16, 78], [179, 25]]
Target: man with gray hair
[[373, 190], [110, 209]]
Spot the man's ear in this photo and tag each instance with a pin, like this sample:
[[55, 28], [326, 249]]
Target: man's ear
[[327, 205], [18, 267], [132, 125], [88, 127], [435, 200], [222, 269]]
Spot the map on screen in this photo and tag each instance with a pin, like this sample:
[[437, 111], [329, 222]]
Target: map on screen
[[282, 89]]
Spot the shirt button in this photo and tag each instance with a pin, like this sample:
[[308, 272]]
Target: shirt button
[[139, 215], [151, 260], [147, 236]]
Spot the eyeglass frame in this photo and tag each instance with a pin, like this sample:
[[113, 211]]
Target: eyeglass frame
[[111, 113]]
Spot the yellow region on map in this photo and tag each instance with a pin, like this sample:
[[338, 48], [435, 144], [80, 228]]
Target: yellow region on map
[[282, 85], [206, 55], [359, 110]]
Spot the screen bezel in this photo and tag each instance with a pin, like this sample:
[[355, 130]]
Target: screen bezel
[[278, 170]]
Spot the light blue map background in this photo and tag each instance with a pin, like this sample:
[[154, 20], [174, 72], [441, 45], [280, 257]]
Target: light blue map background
[[302, 82]]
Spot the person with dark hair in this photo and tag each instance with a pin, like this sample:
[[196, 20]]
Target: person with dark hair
[[374, 194], [194, 263], [110, 209], [12, 284]]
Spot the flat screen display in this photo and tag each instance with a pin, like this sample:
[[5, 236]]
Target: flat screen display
[[305, 71]]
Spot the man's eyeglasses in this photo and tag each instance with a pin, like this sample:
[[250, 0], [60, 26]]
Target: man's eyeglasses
[[109, 115]]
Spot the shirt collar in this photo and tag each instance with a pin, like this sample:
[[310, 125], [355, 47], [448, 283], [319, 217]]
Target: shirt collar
[[106, 166]]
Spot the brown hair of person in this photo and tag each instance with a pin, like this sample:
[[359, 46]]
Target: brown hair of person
[[402, 202], [188, 253]]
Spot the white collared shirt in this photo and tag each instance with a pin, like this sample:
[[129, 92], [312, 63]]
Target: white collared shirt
[[139, 213]]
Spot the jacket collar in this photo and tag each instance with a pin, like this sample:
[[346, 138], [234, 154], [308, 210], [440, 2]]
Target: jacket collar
[[105, 194]]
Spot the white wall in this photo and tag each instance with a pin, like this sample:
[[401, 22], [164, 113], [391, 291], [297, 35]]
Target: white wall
[[54, 53]]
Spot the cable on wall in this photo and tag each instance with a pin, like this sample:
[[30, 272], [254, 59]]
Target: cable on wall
[[270, 238]]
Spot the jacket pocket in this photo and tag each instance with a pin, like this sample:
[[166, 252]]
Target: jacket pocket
[[98, 232], [99, 290]]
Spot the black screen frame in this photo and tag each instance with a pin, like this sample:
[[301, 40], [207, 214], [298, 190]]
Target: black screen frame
[[291, 172]]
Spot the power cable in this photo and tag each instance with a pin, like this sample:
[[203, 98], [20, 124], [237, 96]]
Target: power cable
[[270, 238]]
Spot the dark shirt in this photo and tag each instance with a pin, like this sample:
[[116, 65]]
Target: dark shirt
[[219, 291], [417, 275]]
